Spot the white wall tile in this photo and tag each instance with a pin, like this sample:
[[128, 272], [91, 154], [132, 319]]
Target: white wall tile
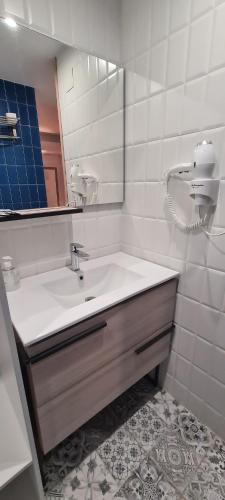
[[197, 405], [160, 19], [191, 282], [40, 15], [142, 26], [177, 54], [214, 420], [156, 116], [180, 11], [201, 6], [219, 219], [128, 29], [218, 363], [112, 49], [215, 394], [198, 249], [179, 242], [215, 100], [154, 161], [219, 333], [154, 196], [216, 253], [158, 63], [200, 36], [169, 153], [180, 392], [218, 41], [197, 318], [184, 343], [61, 21], [81, 36], [141, 82], [194, 105], [183, 371], [198, 383], [140, 122], [136, 161], [16, 8], [179, 118], [203, 354], [213, 289], [174, 110]]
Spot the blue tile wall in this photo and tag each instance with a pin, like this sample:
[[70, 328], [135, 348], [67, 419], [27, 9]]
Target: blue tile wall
[[22, 182]]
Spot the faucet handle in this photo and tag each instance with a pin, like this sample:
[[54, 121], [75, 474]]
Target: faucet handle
[[74, 246], [83, 255]]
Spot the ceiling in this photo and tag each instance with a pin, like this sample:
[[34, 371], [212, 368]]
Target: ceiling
[[27, 57]]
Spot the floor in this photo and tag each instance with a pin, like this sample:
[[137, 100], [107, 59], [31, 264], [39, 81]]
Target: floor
[[142, 446]]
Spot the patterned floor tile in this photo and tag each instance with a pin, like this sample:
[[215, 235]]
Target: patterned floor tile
[[193, 431], [56, 495], [146, 426], [148, 483], [219, 445], [209, 481], [139, 447], [91, 481], [121, 454], [69, 454], [178, 460], [167, 407]]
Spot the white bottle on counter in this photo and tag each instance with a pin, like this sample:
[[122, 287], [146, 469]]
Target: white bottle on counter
[[10, 274]]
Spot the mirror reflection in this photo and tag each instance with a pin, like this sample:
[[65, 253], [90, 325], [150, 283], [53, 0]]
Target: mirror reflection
[[61, 125]]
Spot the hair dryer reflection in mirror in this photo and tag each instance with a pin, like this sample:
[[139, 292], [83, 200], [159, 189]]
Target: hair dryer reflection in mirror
[[83, 187]]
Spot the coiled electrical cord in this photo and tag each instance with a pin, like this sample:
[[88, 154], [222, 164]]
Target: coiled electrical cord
[[198, 225], [175, 172]]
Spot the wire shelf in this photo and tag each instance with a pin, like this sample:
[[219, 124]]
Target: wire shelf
[[12, 137]]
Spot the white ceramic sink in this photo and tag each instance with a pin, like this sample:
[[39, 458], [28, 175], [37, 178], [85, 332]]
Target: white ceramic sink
[[49, 302], [72, 291]]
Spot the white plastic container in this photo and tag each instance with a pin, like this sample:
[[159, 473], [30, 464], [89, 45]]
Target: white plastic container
[[10, 274]]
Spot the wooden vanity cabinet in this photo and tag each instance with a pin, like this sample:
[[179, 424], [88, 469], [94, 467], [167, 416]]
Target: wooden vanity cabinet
[[75, 373]]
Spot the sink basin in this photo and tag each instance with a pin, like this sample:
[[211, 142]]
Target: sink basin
[[50, 302], [71, 291]]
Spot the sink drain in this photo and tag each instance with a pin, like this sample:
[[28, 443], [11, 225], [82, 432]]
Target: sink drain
[[91, 297]]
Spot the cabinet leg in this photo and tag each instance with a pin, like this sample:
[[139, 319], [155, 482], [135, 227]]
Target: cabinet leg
[[155, 377]]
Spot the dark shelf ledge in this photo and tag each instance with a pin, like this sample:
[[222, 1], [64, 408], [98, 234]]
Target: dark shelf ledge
[[35, 214]]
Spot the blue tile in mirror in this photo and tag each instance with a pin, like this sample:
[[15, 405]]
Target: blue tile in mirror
[[22, 183]]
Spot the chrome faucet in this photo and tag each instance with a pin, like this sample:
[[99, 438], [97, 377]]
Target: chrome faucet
[[76, 255]]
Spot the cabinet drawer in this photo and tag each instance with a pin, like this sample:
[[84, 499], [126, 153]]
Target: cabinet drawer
[[112, 333], [68, 411]]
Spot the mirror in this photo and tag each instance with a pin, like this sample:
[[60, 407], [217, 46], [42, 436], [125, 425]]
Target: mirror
[[61, 125]]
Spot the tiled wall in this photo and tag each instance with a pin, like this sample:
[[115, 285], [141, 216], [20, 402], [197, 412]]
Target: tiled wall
[[22, 183], [93, 26], [174, 51], [92, 121], [39, 245]]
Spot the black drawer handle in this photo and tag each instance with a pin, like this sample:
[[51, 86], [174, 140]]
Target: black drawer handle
[[148, 344], [67, 342]]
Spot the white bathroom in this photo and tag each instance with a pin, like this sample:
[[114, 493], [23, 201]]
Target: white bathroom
[[112, 249]]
